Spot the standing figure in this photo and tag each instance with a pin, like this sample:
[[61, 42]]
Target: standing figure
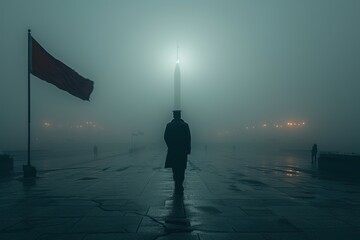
[[178, 140], [314, 152], [95, 150]]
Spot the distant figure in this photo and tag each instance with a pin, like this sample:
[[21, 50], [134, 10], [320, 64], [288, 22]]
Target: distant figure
[[314, 152], [178, 140], [95, 149]]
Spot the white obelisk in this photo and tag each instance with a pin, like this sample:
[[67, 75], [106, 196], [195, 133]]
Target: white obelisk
[[177, 83]]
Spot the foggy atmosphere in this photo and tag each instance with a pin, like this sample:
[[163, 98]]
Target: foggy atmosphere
[[269, 96]]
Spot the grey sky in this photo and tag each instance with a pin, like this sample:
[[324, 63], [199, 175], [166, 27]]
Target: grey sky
[[242, 63]]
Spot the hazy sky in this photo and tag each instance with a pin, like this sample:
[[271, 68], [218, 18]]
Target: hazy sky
[[242, 63]]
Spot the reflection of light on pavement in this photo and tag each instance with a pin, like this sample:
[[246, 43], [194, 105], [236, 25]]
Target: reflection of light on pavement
[[292, 173]]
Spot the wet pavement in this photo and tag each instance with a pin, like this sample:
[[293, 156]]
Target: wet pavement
[[229, 194]]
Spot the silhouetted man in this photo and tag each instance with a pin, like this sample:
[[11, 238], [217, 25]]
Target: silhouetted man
[[178, 140], [314, 153], [95, 150]]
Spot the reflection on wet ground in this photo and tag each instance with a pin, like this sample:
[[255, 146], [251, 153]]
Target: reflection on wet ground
[[228, 195], [177, 221]]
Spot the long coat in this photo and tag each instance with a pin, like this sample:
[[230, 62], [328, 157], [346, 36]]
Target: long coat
[[178, 140]]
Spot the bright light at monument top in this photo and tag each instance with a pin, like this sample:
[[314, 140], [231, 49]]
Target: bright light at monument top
[[177, 83]]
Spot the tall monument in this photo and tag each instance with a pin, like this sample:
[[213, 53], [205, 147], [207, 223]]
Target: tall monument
[[177, 83]]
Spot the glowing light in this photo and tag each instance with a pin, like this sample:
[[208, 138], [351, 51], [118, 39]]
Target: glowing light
[[277, 125], [295, 124]]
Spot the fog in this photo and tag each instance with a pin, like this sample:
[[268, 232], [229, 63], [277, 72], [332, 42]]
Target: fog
[[250, 71]]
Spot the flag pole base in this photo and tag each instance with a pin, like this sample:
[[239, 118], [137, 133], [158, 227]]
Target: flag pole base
[[29, 171]]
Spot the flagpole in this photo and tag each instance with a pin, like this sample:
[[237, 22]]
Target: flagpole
[[29, 171], [28, 76]]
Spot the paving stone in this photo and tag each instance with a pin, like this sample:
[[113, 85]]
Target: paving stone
[[218, 224], [124, 224], [263, 224], [62, 236], [42, 225], [259, 212], [285, 236], [230, 236], [180, 236], [19, 236], [333, 234], [122, 236], [8, 222]]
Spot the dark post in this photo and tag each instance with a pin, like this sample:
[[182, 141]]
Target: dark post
[[29, 171], [29, 71]]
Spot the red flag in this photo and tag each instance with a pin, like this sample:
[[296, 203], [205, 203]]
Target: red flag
[[51, 70]]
